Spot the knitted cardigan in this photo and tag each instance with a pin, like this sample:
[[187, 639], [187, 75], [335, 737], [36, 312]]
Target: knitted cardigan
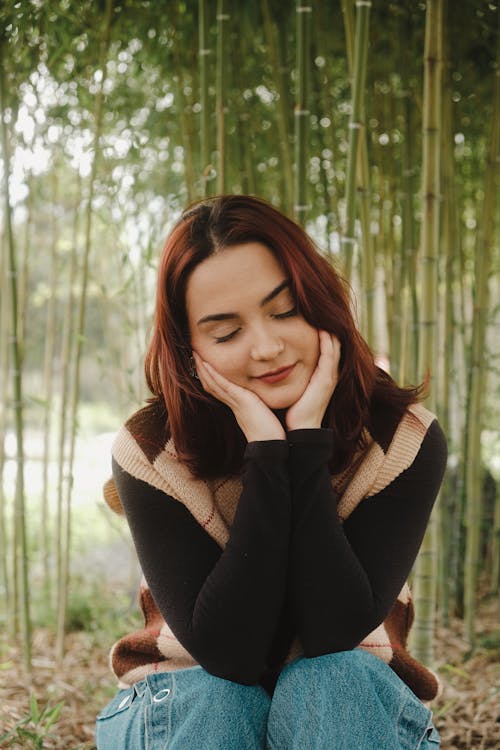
[[140, 451]]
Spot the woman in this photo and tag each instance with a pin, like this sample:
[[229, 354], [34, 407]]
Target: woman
[[277, 487]]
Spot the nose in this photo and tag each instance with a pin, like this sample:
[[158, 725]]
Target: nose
[[266, 345]]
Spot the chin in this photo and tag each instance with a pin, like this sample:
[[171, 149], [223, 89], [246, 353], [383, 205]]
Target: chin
[[280, 401]]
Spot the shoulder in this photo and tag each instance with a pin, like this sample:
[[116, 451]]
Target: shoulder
[[434, 448], [146, 430], [417, 441], [136, 446]]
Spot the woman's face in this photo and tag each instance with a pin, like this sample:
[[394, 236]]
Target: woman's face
[[243, 321]]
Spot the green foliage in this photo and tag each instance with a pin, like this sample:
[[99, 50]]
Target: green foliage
[[34, 727]]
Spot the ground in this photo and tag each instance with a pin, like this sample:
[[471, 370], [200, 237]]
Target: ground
[[467, 714]]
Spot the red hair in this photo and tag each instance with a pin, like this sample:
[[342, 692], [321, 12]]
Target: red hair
[[206, 435]]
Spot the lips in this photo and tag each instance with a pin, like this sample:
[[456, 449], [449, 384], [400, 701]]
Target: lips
[[273, 376]]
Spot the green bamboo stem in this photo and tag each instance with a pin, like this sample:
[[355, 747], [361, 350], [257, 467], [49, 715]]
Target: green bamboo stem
[[425, 573], [63, 568], [21, 563], [24, 268], [48, 379], [220, 95], [204, 53], [4, 370], [448, 540], [186, 129], [362, 181], [478, 370], [301, 111], [68, 342], [348, 239], [495, 550], [408, 363], [276, 51]]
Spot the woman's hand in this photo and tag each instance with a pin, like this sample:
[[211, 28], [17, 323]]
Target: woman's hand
[[309, 410], [255, 419]]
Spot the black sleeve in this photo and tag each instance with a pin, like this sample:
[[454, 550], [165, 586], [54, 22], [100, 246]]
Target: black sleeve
[[223, 606], [345, 578]]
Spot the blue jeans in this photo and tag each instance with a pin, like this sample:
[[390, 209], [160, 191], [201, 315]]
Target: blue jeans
[[345, 701]]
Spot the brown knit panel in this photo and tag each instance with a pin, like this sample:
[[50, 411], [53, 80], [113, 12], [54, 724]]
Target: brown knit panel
[[134, 650], [149, 429], [421, 680]]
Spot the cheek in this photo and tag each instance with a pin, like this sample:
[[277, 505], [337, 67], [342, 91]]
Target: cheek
[[310, 339], [226, 360]]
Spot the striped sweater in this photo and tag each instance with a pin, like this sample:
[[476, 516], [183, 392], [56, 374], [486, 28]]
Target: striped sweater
[[140, 451]]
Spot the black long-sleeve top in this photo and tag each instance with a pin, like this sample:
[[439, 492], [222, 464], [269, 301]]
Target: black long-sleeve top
[[290, 567]]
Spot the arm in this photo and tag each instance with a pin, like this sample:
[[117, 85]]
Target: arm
[[345, 578], [223, 606]]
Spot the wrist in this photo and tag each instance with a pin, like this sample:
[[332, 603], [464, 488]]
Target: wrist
[[260, 437], [303, 424]]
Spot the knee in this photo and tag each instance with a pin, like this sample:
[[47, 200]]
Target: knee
[[343, 674], [340, 665], [235, 698]]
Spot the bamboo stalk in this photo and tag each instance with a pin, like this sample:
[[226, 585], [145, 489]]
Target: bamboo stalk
[[277, 54], [68, 343], [495, 549], [21, 563], [478, 370], [220, 96], [186, 129], [48, 372], [301, 111], [362, 170], [63, 572], [204, 52], [425, 573], [5, 586], [348, 239], [449, 236], [408, 364]]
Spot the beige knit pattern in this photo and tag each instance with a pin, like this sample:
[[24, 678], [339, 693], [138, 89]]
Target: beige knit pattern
[[213, 504]]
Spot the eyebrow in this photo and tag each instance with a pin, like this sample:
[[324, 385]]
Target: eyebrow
[[230, 315]]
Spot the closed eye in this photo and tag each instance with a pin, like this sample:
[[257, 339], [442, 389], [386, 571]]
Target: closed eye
[[227, 337], [288, 314]]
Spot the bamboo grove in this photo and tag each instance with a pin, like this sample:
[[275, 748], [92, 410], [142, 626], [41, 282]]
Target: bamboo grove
[[376, 126]]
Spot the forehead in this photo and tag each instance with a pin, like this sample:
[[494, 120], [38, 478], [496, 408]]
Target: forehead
[[235, 277]]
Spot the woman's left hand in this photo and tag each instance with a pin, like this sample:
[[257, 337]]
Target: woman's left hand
[[309, 410]]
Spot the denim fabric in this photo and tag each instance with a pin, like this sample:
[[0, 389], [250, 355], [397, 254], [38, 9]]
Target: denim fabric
[[333, 702]]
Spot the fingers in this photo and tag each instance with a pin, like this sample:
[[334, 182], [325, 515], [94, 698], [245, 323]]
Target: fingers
[[208, 375], [330, 352], [215, 383], [255, 419]]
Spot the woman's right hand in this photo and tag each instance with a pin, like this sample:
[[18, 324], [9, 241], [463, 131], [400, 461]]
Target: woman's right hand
[[255, 419]]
